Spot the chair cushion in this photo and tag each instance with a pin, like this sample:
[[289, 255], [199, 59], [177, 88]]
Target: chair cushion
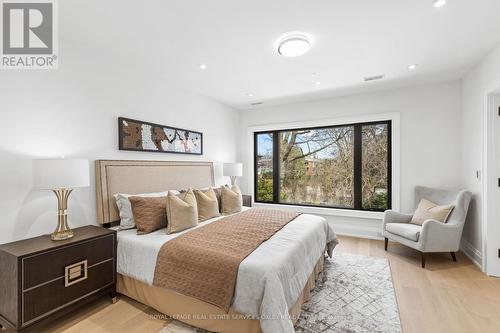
[[406, 230], [428, 210]]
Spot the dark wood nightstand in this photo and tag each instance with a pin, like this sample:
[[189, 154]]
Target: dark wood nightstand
[[247, 200], [41, 279]]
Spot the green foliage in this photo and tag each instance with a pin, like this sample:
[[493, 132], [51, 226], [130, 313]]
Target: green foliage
[[265, 187], [376, 201], [293, 174], [265, 190]]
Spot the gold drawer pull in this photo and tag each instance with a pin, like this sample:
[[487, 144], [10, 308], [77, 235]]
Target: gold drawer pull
[[75, 273]]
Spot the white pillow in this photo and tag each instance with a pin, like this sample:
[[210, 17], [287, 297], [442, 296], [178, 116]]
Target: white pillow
[[125, 208]]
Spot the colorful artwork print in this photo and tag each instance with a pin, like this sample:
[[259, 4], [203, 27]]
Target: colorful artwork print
[[142, 136]]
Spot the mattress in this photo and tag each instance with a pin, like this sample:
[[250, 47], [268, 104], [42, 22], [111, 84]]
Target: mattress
[[270, 279]]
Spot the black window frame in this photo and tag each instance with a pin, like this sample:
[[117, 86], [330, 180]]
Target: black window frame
[[358, 159]]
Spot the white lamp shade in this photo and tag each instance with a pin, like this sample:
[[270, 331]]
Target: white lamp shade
[[233, 169], [60, 173]]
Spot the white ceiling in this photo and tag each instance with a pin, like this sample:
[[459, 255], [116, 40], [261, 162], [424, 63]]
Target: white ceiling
[[236, 40]]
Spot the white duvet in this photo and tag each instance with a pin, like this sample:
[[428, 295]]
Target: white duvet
[[269, 280]]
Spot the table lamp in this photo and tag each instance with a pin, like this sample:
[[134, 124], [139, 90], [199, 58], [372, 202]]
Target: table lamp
[[233, 170], [61, 176]]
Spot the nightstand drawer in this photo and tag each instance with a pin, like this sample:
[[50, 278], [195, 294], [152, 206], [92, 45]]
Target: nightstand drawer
[[43, 300], [41, 279], [47, 266]]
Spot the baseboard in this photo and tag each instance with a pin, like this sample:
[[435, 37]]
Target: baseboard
[[356, 235], [358, 231], [472, 253]]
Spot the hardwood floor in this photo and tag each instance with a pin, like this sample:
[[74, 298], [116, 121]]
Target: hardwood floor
[[126, 315], [446, 296]]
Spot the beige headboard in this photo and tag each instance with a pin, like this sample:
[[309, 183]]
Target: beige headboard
[[134, 177]]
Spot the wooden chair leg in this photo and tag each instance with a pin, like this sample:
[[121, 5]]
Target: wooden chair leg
[[453, 256], [386, 242], [423, 259]]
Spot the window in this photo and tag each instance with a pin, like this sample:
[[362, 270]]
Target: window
[[346, 166]]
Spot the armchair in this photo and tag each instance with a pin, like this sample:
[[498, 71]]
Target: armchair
[[432, 236]]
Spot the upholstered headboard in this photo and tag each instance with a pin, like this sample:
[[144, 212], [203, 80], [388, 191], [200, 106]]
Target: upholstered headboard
[[134, 177]]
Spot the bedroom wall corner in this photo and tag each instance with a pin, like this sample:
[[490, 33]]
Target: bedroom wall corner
[[474, 87]]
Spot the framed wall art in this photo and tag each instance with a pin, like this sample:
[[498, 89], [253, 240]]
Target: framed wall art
[[136, 135]]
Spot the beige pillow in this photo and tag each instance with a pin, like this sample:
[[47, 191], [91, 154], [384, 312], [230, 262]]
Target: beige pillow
[[232, 200], [428, 210], [208, 205], [182, 211], [149, 213], [217, 191]]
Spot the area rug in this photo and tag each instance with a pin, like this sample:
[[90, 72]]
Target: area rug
[[355, 295]]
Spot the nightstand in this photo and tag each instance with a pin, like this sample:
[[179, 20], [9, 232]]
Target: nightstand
[[247, 200], [41, 279]]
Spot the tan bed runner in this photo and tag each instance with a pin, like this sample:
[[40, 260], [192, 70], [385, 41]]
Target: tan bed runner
[[204, 262]]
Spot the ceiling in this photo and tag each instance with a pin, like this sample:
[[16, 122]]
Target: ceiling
[[236, 40]]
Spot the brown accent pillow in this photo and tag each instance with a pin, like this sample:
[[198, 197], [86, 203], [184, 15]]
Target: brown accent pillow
[[428, 210], [208, 205], [182, 211], [232, 200], [149, 213]]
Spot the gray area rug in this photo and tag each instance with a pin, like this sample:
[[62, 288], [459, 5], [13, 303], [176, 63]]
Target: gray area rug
[[354, 295]]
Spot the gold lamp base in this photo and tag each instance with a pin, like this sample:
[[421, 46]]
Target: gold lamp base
[[62, 231], [61, 235]]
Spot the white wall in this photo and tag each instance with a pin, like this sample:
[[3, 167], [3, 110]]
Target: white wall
[[430, 137], [474, 87], [73, 112]]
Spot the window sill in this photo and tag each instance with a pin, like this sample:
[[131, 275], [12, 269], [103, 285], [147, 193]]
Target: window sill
[[325, 211]]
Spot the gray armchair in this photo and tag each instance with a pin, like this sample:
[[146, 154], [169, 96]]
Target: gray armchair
[[432, 236]]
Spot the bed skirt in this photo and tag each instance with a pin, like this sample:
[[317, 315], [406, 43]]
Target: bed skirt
[[201, 314]]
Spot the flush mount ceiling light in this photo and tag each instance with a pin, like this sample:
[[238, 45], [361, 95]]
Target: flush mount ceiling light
[[294, 45], [202, 66], [438, 3], [412, 66], [250, 95]]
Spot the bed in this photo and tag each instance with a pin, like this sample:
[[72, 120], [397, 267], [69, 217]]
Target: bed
[[272, 282]]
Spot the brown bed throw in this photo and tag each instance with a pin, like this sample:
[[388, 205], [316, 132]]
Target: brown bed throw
[[203, 263]]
